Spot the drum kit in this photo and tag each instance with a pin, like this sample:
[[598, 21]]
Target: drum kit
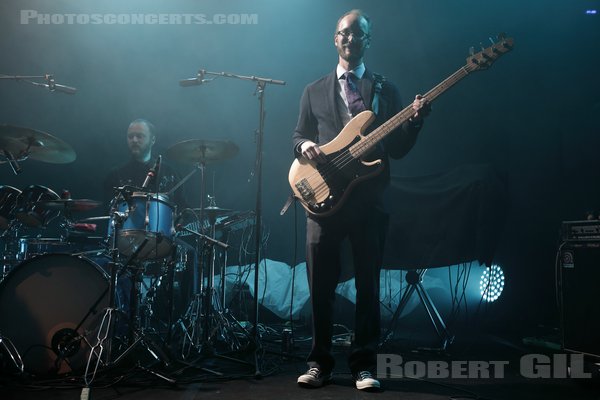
[[82, 301]]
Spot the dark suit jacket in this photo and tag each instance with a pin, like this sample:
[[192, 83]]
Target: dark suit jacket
[[320, 122]]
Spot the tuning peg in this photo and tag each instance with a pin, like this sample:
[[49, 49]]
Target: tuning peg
[[472, 51], [501, 36], [492, 40]]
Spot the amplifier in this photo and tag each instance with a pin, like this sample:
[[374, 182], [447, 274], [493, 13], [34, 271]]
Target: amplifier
[[578, 287], [581, 230]]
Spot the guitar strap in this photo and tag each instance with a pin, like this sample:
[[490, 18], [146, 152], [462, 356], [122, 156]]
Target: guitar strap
[[378, 81]]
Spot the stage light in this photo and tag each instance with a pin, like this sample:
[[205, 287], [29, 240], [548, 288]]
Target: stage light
[[491, 283], [591, 12]]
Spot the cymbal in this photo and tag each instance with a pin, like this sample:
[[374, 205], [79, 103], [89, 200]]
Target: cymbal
[[212, 211], [94, 219], [69, 204], [195, 151], [28, 143]]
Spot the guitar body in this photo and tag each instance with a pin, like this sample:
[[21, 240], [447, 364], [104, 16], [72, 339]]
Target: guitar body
[[322, 188]]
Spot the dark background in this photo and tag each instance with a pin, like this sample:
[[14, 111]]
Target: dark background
[[533, 116]]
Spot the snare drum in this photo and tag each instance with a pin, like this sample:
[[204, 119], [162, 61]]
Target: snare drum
[[29, 212], [31, 247], [8, 202], [148, 216]]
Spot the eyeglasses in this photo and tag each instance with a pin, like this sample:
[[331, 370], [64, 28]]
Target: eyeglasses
[[358, 35]]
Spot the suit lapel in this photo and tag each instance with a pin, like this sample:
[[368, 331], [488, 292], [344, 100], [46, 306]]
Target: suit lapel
[[331, 100]]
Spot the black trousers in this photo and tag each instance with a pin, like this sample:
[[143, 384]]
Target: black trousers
[[365, 227]]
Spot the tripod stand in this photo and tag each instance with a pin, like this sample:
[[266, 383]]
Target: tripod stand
[[206, 322], [414, 278]]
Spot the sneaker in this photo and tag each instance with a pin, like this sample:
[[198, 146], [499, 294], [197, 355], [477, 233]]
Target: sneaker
[[364, 381], [314, 377]]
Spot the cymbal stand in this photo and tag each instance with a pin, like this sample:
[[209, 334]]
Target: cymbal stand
[[224, 325], [201, 305]]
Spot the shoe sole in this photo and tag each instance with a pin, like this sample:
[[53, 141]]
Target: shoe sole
[[368, 386], [312, 384]]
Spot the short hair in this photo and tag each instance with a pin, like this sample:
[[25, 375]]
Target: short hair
[[149, 125], [358, 13]]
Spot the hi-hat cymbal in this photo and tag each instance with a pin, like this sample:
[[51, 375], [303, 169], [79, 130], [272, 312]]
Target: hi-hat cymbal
[[29, 143], [201, 151], [69, 204], [93, 219], [212, 211]]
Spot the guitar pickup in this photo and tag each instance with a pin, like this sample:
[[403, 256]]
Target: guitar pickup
[[306, 191]]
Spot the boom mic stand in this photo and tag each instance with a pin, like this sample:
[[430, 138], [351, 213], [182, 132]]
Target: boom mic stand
[[48, 78], [261, 84]]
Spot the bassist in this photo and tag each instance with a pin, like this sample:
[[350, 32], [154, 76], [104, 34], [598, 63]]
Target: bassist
[[325, 108]]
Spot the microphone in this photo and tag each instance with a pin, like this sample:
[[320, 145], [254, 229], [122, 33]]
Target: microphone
[[193, 82], [152, 172], [64, 89], [198, 80], [56, 87]]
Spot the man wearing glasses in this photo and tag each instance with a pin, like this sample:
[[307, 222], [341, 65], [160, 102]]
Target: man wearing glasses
[[325, 108]]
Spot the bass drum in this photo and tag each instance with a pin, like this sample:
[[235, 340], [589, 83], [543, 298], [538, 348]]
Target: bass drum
[[50, 308]]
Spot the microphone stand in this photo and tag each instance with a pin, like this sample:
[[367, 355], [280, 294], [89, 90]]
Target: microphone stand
[[49, 78], [261, 84]]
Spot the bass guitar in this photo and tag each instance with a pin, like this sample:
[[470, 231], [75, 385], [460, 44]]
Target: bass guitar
[[322, 188]]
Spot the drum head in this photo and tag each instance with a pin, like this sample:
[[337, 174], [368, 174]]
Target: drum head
[[46, 303]]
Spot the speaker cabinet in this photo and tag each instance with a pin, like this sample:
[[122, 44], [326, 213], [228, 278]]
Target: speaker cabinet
[[579, 295]]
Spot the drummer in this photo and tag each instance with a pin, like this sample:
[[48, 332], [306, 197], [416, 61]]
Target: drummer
[[141, 137]]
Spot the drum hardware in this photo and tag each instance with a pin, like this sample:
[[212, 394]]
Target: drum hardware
[[8, 202], [8, 246], [19, 144], [197, 324], [137, 335], [205, 320], [12, 352], [31, 247]]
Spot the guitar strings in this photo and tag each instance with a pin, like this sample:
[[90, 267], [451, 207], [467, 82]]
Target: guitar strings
[[345, 157]]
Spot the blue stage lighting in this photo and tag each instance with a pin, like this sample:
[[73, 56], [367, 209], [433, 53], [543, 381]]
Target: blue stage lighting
[[491, 283]]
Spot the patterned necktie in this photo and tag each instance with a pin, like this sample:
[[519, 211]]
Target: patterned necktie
[[355, 101]]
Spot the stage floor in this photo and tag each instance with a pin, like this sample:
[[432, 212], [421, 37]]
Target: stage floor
[[205, 376]]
